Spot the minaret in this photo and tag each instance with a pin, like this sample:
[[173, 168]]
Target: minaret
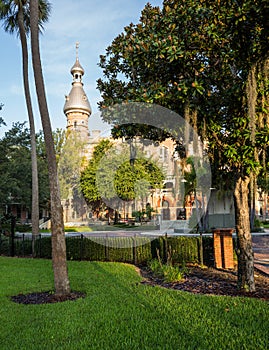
[[77, 107]]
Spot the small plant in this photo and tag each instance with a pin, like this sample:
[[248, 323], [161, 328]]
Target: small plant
[[172, 274], [155, 266], [167, 272]]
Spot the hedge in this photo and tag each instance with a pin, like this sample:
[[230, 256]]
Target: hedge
[[137, 250]]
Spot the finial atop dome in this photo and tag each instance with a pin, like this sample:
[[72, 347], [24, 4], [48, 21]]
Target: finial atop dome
[[77, 47], [77, 71], [77, 100]]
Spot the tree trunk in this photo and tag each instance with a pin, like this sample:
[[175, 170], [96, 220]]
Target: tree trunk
[[251, 90], [35, 194], [61, 281], [244, 239]]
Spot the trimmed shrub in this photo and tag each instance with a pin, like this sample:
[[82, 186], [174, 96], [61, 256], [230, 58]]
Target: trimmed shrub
[[184, 249], [208, 251], [43, 247], [143, 250], [138, 250], [22, 246], [4, 245], [119, 249], [74, 248]]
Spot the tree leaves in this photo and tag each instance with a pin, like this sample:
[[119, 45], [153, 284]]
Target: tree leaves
[[197, 53], [110, 176]]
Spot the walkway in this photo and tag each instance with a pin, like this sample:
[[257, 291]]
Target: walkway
[[261, 251]]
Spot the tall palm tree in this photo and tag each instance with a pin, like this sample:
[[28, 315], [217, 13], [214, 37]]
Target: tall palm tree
[[61, 281], [16, 17]]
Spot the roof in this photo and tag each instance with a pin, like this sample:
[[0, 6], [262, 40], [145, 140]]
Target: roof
[[77, 99]]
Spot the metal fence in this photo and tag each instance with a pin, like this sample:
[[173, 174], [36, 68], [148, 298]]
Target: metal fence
[[130, 249]]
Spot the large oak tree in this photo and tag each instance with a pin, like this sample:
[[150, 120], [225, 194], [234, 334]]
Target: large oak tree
[[208, 61]]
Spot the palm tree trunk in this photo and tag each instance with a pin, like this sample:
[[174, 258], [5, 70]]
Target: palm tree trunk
[[61, 281], [35, 190], [244, 239]]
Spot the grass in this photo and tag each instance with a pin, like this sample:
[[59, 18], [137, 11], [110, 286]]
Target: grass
[[116, 227], [121, 313], [92, 228]]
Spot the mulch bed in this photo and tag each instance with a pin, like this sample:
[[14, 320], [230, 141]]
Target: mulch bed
[[45, 297], [211, 281]]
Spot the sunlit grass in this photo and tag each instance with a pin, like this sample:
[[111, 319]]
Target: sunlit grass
[[121, 313], [105, 227]]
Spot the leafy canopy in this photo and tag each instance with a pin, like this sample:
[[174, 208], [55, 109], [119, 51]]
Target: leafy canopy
[[196, 57], [15, 168], [110, 178]]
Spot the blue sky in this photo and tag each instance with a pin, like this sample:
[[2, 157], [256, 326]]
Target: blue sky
[[94, 24]]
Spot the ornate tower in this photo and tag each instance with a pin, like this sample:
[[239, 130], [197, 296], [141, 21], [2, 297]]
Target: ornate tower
[[77, 107]]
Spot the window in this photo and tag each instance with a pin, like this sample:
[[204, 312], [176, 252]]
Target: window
[[164, 153]]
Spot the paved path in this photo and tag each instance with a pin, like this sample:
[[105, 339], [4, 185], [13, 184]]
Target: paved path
[[261, 251]]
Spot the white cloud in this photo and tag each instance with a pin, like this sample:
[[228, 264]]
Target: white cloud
[[16, 89]]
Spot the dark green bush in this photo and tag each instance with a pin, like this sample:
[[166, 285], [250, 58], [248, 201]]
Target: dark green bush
[[23, 228], [43, 247], [74, 248], [23, 247], [4, 245], [138, 250], [184, 249], [142, 250], [208, 251]]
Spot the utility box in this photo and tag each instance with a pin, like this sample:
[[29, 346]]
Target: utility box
[[223, 248]]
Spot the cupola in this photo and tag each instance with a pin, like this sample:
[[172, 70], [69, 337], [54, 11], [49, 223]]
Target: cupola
[[77, 107]]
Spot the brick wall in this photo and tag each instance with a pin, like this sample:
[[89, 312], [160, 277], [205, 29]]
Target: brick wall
[[223, 248]]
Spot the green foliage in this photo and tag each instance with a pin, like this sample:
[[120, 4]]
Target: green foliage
[[4, 245], [183, 249], [179, 250], [59, 137], [23, 228], [15, 168], [199, 54], [22, 246], [137, 250], [208, 251], [110, 176], [9, 11], [88, 176], [207, 61], [167, 272], [70, 163], [172, 273]]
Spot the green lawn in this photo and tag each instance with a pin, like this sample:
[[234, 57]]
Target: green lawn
[[92, 228], [121, 313]]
